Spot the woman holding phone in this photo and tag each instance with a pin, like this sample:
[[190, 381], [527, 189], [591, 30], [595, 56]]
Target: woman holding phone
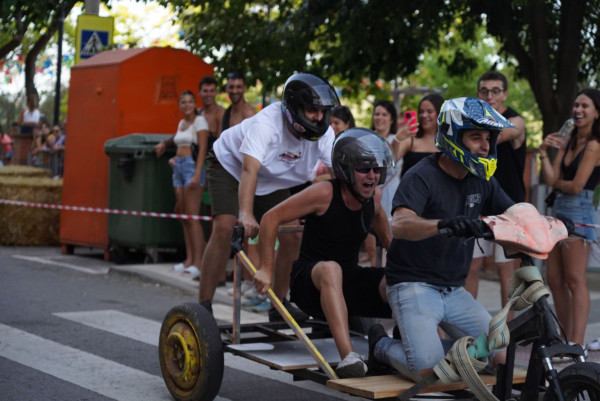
[[414, 148]]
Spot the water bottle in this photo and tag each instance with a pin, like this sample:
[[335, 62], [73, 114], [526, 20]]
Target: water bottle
[[565, 130]]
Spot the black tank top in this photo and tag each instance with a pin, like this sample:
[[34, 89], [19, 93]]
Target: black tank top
[[511, 165], [212, 137], [338, 233], [568, 172], [412, 158], [226, 118]]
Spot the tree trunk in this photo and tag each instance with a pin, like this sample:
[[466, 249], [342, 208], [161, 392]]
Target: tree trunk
[[17, 38], [40, 45]]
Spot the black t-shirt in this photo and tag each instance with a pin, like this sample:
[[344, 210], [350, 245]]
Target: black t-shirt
[[338, 233], [431, 193], [511, 165]]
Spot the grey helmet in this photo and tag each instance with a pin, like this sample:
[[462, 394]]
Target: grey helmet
[[357, 148]]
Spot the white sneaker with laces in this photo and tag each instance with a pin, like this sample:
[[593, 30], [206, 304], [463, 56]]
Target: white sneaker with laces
[[353, 365]]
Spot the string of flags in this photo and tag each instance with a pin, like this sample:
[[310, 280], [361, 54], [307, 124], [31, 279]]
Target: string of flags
[[11, 68]]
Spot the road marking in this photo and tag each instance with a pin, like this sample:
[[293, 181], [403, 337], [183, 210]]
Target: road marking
[[147, 331], [45, 261], [105, 377], [122, 324]]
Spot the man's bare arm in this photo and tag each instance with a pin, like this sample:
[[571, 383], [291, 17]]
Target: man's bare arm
[[407, 225]]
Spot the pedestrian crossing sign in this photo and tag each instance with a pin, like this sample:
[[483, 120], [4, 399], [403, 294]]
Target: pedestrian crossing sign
[[93, 34]]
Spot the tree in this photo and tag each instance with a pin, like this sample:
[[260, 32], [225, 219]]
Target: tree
[[40, 19], [553, 41]]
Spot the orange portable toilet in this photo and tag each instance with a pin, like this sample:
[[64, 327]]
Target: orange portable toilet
[[112, 94]]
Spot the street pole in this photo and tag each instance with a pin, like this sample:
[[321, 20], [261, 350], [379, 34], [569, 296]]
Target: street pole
[[61, 23]]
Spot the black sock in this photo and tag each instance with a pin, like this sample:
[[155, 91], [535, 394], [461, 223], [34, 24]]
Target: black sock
[[208, 305]]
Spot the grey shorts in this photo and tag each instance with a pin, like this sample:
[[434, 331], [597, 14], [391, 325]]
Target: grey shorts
[[223, 191]]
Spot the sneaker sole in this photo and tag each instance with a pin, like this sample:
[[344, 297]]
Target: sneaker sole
[[350, 371]]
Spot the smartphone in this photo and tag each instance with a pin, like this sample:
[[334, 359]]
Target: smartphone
[[410, 119]]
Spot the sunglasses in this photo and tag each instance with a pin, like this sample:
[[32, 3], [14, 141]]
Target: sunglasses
[[365, 170], [234, 75]]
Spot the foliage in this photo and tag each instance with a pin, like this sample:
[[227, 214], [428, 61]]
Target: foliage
[[553, 43], [548, 40], [41, 19]]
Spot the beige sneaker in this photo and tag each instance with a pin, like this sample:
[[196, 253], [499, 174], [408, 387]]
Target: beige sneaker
[[353, 365]]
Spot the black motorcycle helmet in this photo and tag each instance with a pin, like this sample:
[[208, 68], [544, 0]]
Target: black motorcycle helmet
[[356, 148], [304, 90]]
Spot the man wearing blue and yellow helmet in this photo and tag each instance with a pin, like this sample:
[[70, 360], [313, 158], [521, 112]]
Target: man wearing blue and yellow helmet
[[426, 271], [468, 113]]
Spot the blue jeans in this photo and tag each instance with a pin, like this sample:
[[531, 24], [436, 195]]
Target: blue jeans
[[183, 171], [418, 309], [579, 208]]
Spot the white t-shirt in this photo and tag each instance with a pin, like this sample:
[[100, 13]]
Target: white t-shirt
[[189, 135], [286, 161]]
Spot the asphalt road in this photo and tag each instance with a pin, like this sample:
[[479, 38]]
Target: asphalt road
[[74, 328]]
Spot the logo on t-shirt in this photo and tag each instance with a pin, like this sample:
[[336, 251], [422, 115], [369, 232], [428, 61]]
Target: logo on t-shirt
[[473, 199], [289, 157]]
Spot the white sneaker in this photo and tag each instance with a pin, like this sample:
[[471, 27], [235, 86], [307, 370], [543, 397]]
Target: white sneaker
[[178, 268], [353, 365], [191, 271], [594, 345], [246, 285], [250, 292]]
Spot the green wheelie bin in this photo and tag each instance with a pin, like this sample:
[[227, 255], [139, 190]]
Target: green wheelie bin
[[139, 181]]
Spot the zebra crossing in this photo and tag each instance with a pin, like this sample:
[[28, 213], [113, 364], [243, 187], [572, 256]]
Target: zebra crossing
[[112, 379]]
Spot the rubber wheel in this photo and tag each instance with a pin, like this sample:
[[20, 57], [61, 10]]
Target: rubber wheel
[[191, 353], [580, 381]]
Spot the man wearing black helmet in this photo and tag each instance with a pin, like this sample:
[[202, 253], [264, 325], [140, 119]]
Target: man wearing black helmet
[[426, 271], [327, 281], [252, 165]]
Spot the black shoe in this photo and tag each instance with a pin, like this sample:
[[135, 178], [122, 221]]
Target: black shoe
[[297, 314], [207, 305], [376, 333]]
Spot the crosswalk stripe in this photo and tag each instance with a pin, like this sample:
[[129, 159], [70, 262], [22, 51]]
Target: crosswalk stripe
[[105, 377], [46, 261], [147, 331]]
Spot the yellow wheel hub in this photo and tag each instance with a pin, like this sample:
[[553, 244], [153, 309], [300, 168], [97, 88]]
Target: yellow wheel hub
[[181, 356]]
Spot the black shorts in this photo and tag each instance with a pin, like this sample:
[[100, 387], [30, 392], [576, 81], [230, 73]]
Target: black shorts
[[360, 286]]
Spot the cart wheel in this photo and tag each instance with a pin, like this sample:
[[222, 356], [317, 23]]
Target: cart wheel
[[191, 353], [580, 381]]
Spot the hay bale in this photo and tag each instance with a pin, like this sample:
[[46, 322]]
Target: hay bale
[[23, 225], [23, 171]]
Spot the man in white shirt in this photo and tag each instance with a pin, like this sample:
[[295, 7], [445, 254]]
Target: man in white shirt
[[255, 162]]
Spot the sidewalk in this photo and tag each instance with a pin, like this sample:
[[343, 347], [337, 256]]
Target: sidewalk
[[489, 296]]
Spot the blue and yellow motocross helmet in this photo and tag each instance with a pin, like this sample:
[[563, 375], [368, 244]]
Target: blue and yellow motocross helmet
[[468, 113]]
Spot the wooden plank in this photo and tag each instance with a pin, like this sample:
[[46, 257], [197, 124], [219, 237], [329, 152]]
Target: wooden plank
[[291, 355], [387, 386]]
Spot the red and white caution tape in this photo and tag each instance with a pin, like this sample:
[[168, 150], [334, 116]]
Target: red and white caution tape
[[104, 210]]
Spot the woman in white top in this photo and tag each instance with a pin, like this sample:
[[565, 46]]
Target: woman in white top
[[29, 119], [189, 178]]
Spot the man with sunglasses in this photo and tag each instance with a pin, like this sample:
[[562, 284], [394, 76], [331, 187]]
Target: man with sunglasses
[[251, 167], [492, 87], [327, 282]]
